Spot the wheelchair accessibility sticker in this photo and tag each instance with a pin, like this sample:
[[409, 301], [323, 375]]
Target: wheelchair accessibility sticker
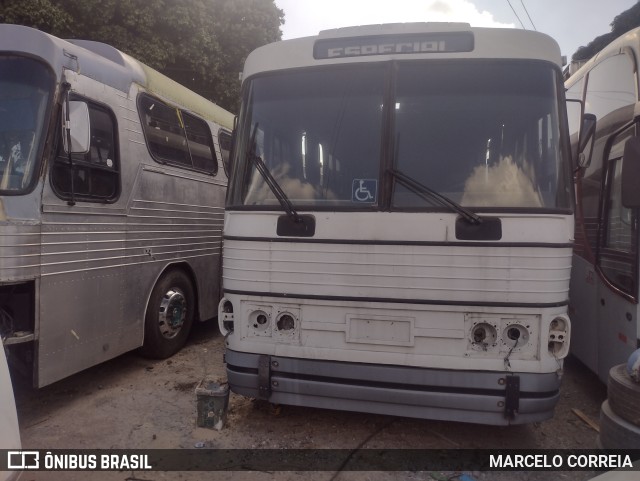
[[364, 190]]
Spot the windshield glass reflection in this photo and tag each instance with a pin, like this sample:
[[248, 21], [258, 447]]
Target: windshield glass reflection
[[25, 86], [482, 134]]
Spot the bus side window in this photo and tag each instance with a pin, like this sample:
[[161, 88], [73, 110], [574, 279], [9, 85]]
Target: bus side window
[[611, 96], [617, 256], [96, 174], [164, 133], [177, 137], [611, 90], [200, 143]]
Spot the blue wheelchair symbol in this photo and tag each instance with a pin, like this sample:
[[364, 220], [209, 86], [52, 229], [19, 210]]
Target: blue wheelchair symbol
[[364, 190]]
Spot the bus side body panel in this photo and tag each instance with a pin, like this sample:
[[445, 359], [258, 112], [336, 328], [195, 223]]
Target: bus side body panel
[[604, 285], [79, 258], [86, 316], [584, 311], [169, 224], [100, 262]]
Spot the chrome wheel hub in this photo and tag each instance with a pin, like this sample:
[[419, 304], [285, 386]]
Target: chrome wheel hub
[[172, 313]]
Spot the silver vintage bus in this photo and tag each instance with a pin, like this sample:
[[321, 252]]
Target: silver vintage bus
[[112, 192]]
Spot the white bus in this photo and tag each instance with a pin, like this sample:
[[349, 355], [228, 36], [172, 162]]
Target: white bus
[[111, 205], [604, 285], [399, 224]]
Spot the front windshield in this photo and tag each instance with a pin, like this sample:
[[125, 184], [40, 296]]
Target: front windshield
[[485, 134], [318, 133], [25, 87]]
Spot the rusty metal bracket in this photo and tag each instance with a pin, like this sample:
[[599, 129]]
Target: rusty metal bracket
[[264, 377], [512, 396]]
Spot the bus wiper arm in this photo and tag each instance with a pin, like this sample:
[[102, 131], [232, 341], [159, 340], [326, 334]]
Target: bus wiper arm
[[269, 179], [429, 194]]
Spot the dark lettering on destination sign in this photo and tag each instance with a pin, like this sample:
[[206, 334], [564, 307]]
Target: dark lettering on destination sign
[[393, 44]]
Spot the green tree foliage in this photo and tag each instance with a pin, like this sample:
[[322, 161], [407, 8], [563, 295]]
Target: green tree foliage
[[200, 43], [627, 20], [40, 14]]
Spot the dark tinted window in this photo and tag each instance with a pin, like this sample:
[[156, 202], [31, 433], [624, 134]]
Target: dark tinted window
[[484, 135], [177, 137], [200, 143], [96, 174], [619, 240], [25, 86], [319, 135]]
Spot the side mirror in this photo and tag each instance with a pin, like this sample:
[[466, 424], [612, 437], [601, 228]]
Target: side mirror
[[76, 127], [587, 133], [631, 173], [225, 139], [232, 148]]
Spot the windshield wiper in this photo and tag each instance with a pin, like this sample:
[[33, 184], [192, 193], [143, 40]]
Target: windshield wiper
[[269, 179], [431, 195]]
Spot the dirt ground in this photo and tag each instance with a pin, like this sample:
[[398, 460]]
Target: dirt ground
[[132, 402]]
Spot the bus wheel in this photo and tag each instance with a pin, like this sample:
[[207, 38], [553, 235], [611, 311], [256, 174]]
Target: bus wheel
[[624, 394], [169, 315]]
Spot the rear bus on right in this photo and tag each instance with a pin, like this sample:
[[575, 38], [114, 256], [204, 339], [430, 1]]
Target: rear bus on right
[[604, 279], [604, 282]]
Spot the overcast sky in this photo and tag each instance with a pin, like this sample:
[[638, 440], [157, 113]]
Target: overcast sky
[[572, 23]]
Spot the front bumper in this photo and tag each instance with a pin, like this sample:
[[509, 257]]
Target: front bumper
[[484, 397]]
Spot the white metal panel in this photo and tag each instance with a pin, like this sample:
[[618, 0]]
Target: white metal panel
[[10, 431], [498, 272], [440, 334], [499, 43]]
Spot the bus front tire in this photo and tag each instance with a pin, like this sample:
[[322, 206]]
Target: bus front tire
[[169, 315]]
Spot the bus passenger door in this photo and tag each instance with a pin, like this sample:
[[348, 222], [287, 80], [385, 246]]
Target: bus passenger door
[[617, 266], [82, 317], [583, 290]]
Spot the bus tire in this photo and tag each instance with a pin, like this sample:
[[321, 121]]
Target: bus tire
[[169, 315], [615, 432], [624, 394]]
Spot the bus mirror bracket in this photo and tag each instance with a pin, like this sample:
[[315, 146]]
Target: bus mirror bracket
[[232, 150], [631, 173], [76, 139], [587, 132]]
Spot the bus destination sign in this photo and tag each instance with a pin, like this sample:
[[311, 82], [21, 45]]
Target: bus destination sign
[[393, 44]]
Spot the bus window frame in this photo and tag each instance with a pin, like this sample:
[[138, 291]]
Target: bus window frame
[[59, 151], [386, 153], [161, 161], [605, 204], [47, 127]]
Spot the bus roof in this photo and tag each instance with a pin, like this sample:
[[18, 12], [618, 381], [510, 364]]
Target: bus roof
[[630, 39], [403, 41], [105, 64]]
